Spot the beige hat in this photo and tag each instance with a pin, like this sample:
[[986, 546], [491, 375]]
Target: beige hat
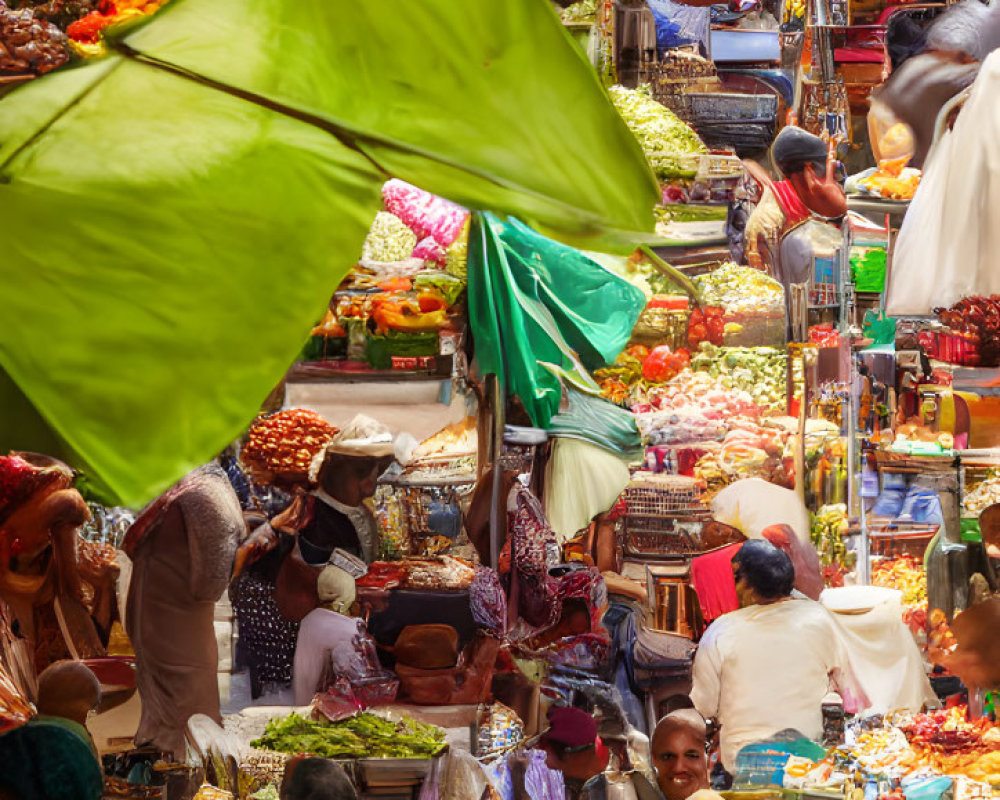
[[336, 589], [363, 437]]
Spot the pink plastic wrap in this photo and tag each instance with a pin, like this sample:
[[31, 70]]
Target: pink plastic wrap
[[424, 213], [429, 250]]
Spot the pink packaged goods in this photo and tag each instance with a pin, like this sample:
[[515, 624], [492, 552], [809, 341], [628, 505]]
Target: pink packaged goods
[[425, 214]]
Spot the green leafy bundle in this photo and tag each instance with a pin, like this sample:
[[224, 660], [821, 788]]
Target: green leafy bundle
[[361, 736], [671, 146]]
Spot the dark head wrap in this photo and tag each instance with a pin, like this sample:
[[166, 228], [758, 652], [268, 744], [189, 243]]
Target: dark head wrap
[[793, 148]]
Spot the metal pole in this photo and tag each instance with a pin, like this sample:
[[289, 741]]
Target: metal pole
[[496, 397]]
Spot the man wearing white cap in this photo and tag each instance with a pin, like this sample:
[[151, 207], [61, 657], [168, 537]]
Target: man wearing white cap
[[334, 515], [332, 643]]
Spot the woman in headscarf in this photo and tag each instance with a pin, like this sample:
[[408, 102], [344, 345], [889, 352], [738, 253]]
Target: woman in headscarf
[[182, 549], [40, 514], [334, 649]]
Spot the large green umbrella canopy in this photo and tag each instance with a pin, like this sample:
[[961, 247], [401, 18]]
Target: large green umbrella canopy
[[177, 214]]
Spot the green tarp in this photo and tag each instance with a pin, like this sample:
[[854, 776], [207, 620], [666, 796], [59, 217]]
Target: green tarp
[[176, 216], [541, 311]]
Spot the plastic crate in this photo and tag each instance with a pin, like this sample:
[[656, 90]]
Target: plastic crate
[[893, 540]]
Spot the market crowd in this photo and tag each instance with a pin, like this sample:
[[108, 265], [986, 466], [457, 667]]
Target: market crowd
[[764, 669]]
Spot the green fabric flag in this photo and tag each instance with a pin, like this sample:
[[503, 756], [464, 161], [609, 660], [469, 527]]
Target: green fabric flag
[[542, 312], [178, 214]]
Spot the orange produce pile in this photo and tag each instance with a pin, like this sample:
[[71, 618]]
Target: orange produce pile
[[907, 575], [948, 743], [287, 442]]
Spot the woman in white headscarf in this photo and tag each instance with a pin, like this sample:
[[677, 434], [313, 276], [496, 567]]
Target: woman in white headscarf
[[334, 648]]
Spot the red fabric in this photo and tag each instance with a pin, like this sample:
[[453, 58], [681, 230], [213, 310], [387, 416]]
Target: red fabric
[[795, 210], [571, 727], [712, 580], [805, 561], [19, 480]]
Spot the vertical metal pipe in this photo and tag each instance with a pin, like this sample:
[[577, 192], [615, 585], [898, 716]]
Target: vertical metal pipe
[[496, 399]]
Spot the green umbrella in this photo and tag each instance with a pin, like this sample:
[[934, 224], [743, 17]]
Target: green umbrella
[[177, 214]]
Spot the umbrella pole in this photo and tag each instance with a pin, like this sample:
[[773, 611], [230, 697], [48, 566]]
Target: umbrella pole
[[495, 395]]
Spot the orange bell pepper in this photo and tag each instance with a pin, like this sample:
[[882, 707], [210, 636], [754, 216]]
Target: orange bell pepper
[[426, 312]]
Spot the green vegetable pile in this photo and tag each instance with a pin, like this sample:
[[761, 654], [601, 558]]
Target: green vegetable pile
[[361, 736], [583, 11], [671, 146], [388, 239], [761, 372]]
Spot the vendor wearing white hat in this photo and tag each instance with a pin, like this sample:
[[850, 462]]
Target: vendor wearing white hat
[[334, 515]]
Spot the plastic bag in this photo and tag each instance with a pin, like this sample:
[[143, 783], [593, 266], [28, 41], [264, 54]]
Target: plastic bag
[[948, 242], [488, 601], [540, 782], [582, 481], [678, 24], [424, 213], [878, 327], [868, 269]]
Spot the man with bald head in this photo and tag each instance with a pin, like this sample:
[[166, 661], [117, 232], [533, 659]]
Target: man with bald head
[[678, 754], [67, 692]]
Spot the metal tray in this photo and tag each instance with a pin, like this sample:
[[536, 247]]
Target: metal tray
[[393, 771], [732, 106]]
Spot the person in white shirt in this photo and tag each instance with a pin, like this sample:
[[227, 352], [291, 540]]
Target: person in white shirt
[[767, 667], [332, 644]]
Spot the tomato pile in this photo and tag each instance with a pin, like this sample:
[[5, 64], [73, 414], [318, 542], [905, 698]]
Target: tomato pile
[[706, 325], [661, 363]]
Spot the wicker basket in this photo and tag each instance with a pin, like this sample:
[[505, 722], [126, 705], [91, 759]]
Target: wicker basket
[[677, 73]]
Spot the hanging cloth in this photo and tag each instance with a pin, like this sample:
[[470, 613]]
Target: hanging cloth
[[712, 580]]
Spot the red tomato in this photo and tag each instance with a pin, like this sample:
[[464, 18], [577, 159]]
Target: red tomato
[[716, 329], [638, 351], [658, 367]]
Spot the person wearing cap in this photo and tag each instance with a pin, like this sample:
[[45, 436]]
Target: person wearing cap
[[767, 666], [334, 515], [807, 193], [573, 747], [678, 750], [332, 643]]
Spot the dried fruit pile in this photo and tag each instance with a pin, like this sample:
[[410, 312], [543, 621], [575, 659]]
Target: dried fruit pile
[[29, 44], [286, 442], [907, 575]]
